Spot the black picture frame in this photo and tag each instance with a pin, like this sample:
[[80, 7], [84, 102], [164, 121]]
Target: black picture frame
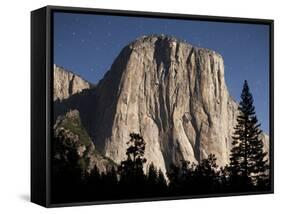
[[41, 96]]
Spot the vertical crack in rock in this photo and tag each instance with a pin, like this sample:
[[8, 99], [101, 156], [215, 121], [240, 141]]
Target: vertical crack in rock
[[70, 89]]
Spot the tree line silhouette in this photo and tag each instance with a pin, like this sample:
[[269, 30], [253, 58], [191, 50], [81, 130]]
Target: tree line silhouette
[[248, 170]]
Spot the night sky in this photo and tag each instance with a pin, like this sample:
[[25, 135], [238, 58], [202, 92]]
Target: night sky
[[88, 44]]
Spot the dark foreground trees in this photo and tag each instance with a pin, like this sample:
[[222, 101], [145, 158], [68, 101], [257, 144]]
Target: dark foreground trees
[[192, 179], [248, 170], [125, 181]]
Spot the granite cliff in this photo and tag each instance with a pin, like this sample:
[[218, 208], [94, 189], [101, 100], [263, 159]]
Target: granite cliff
[[67, 83], [172, 93]]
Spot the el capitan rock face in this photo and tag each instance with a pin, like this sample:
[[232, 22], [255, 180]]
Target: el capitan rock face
[[172, 93]]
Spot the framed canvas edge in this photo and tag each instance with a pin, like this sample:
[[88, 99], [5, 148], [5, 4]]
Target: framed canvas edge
[[271, 103], [153, 14], [49, 90], [49, 104], [38, 153]]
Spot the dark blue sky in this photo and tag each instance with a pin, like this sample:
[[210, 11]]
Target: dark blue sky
[[88, 44]]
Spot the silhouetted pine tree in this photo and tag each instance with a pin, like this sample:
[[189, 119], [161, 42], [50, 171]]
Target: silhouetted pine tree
[[95, 176], [174, 175], [208, 167], [110, 183], [132, 177], [93, 182], [161, 183], [206, 175], [152, 176], [223, 180], [190, 179], [247, 159], [112, 176]]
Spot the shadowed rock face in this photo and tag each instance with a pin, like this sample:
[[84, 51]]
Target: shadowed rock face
[[172, 93], [74, 144], [67, 83]]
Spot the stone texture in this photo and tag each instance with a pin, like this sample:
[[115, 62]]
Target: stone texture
[[67, 83]]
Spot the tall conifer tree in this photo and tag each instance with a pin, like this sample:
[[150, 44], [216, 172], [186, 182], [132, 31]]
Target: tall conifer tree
[[247, 159]]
